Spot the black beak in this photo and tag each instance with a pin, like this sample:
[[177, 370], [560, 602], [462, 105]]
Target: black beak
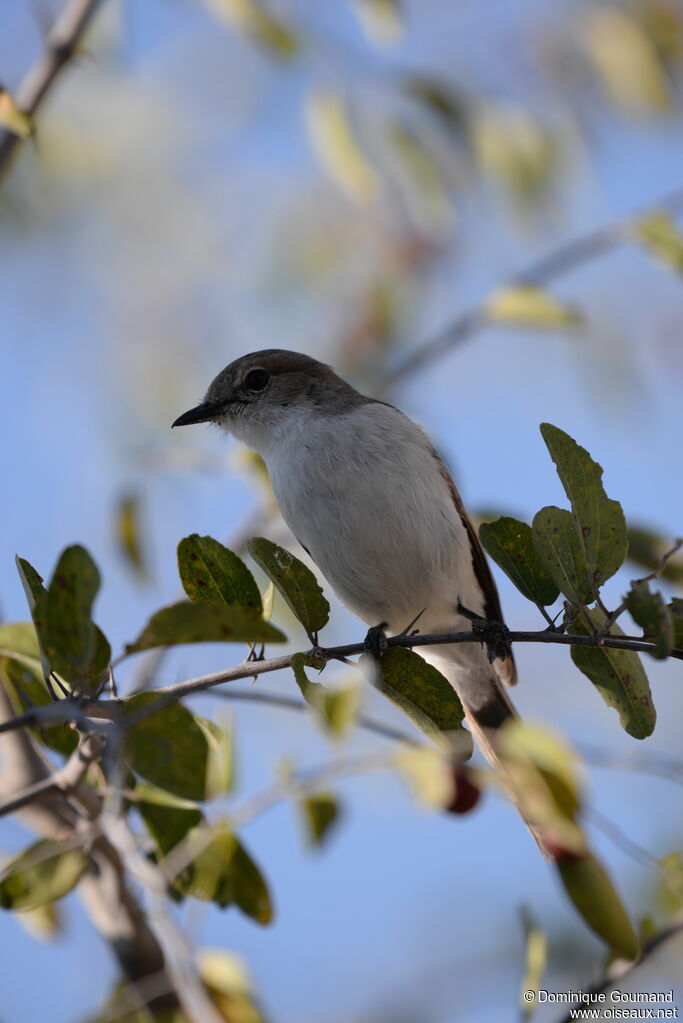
[[203, 413]]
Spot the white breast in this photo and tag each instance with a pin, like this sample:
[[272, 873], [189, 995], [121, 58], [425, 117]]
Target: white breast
[[364, 494]]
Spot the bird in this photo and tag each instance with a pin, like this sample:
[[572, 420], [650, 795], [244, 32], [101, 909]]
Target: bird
[[366, 494]]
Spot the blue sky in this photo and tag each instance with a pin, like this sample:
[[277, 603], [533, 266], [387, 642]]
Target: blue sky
[[149, 238]]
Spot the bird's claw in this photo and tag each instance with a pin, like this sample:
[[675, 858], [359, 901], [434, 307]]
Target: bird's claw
[[495, 635], [375, 642]]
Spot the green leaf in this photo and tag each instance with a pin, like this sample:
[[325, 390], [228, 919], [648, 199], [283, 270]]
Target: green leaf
[[204, 622], [536, 958], [676, 612], [209, 571], [295, 582], [320, 815], [167, 818], [44, 872], [526, 305], [557, 544], [223, 872], [71, 644], [660, 233], [649, 610], [510, 543], [254, 19], [128, 534], [19, 642], [25, 687], [672, 881], [337, 708], [600, 522], [175, 750], [422, 693], [647, 549], [590, 888], [619, 677]]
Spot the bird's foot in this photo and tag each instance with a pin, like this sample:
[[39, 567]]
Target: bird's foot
[[495, 635], [375, 642]]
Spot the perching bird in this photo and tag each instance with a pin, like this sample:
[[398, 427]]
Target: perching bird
[[365, 493]]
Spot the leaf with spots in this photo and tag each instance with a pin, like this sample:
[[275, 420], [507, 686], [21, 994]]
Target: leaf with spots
[[295, 582], [210, 571], [510, 544], [600, 523], [421, 692], [559, 548], [204, 622], [649, 610], [619, 677]]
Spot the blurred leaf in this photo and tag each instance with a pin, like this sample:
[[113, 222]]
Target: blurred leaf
[[167, 818], [428, 774], [229, 986], [672, 876], [647, 548], [334, 139], [19, 642], [44, 923], [44, 872], [382, 20], [535, 961], [26, 688], [526, 305], [649, 610], [541, 775], [295, 582], [557, 544], [626, 60], [224, 872], [619, 677], [423, 184], [660, 233], [337, 708], [268, 601], [14, 119], [320, 815], [220, 764], [174, 749], [421, 692], [513, 148], [601, 527], [256, 21], [676, 612], [210, 571], [590, 888], [441, 100], [510, 543], [128, 534], [71, 643], [204, 622]]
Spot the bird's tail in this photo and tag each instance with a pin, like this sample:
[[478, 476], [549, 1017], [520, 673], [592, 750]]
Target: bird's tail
[[487, 708]]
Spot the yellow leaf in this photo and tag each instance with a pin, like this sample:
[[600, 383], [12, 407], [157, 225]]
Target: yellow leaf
[[13, 118], [336, 145], [661, 235], [382, 20], [428, 774], [527, 305], [424, 185], [513, 148], [535, 963], [626, 60], [128, 534], [254, 20]]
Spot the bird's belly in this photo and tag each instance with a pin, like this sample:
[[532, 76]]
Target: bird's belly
[[386, 548]]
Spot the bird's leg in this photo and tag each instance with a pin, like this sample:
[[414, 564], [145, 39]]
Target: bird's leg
[[495, 635], [375, 642]]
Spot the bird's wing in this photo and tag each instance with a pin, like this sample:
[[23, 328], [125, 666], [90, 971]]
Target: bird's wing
[[505, 670]]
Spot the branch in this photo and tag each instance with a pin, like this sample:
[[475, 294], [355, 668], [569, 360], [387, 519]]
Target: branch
[[92, 714], [61, 44], [567, 257]]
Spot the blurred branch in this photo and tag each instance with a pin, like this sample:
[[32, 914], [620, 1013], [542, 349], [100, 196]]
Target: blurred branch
[[619, 969], [60, 45], [561, 261]]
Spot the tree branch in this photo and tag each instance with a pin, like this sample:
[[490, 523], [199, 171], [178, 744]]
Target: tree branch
[[556, 264], [60, 46]]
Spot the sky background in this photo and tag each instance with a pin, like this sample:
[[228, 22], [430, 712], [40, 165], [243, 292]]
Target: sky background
[[171, 216]]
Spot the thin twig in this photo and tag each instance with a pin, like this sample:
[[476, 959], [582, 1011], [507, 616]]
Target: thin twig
[[62, 42], [567, 257]]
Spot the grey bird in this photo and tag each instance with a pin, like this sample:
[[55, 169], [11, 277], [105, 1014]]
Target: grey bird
[[365, 493]]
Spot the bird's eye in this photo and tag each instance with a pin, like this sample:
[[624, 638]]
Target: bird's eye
[[256, 380]]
